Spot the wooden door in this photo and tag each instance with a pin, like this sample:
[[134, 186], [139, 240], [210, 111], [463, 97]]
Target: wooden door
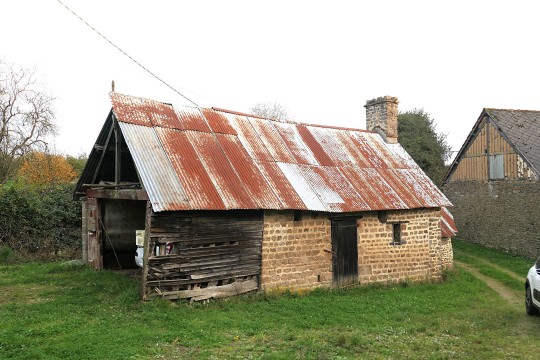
[[345, 252]]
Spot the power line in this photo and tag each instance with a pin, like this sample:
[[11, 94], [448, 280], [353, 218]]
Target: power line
[[126, 54]]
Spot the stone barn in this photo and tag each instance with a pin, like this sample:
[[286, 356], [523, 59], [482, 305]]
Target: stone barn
[[225, 203], [494, 182]]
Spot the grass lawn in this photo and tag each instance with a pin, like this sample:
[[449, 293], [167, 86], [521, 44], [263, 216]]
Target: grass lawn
[[71, 312]]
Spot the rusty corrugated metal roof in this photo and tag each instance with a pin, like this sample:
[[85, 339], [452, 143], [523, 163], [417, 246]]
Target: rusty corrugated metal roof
[[191, 158], [448, 226]]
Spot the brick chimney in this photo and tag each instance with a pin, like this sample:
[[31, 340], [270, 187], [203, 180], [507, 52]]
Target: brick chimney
[[381, 117]]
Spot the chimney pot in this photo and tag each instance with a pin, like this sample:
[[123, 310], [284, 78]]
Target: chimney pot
[[381, 117]]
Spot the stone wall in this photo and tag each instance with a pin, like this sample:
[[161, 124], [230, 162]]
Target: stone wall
[[297, 254], [293, 253], [503, 214], [421, 256]]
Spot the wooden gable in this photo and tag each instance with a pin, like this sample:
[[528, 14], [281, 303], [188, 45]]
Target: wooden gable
[[487, 154]]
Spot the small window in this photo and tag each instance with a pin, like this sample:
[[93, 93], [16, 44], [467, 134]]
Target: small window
[[537, 265], [496, 167], [297, 215], [396, 234]]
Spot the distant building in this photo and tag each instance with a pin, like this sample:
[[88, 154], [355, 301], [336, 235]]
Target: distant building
[[494, 182], [231, 202]]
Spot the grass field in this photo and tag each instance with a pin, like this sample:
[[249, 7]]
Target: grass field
[[71, 312]]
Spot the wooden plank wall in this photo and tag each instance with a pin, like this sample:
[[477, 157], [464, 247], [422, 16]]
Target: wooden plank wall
[[214, 254], [474, 164]]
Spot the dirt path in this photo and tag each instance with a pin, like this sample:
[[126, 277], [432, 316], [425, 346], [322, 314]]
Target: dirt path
[[495, 266], [514, 298]]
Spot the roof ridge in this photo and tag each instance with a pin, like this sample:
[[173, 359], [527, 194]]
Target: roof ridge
[[522, 110], [289, 121]]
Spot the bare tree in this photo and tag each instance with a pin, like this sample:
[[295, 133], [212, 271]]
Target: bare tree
[[26, 117], [274, 111]]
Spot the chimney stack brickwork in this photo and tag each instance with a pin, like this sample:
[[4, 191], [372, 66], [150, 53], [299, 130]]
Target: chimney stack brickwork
[[381, 117]]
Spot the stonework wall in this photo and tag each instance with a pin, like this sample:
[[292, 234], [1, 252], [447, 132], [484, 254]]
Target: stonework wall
[[422, 255], [293, 253], [502, 214], [382, 117], [297, 254]]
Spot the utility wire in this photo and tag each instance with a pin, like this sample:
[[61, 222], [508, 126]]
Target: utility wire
[[126, 54]]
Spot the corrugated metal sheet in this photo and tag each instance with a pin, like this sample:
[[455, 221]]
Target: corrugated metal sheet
[[219, 169], [448, 226], [250, 177], [190, 170], [192, 158], [297, 147], [302, 187], [272, 140], [219, 122], [157, 174], [192, 119]]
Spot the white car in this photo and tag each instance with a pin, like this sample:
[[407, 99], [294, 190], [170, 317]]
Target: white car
[[532, 289]]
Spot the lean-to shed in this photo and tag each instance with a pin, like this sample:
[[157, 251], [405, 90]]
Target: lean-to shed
[[231, 202]]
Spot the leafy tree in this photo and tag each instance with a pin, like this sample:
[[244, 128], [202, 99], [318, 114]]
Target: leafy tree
[[26, 117], [274, 111], [43, 168], [416, 132], [77, 163]]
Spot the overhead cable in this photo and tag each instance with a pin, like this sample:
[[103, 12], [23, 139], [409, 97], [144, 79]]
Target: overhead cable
[[126, 54]]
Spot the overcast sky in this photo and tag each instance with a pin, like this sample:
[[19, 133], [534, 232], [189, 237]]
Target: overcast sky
[[321, 59]]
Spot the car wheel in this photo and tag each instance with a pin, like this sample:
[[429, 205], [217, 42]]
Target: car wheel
[[529, 306]]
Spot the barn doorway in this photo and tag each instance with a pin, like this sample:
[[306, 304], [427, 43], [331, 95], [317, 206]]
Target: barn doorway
[[120, 220], [345, 252]]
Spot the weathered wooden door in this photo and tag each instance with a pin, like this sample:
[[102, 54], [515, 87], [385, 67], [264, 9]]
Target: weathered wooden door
[[345, 252]]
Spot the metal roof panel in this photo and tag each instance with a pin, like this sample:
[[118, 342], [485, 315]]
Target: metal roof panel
[[218, 121], [155, 170], [309, 197], [272, 140], [188, 167], [218, 167], [192, 119], [250, 177]]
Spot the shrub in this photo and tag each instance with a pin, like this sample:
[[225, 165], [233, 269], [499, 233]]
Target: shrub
[[39, 221]]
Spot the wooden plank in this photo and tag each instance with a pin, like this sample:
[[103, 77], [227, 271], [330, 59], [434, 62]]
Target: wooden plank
[[236, 288]]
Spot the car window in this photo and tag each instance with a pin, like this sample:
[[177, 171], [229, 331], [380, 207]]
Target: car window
[[537, 265]]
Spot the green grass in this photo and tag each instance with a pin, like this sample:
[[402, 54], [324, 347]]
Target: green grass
[[517, 264], [51, 311]]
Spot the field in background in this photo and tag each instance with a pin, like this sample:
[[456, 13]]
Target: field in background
[[69, 311]]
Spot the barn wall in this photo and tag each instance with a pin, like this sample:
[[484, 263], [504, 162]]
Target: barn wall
[[214, 254], [422, 256], [504, 214], [297, 254], [293, 252]]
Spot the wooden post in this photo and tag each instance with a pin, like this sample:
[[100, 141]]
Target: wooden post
[[117, 152], [147, 250], [95, 255], [84, 233]]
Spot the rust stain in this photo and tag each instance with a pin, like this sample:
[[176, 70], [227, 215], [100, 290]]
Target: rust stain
[[227, 160]]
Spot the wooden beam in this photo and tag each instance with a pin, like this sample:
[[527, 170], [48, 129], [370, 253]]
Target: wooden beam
[[119, 194], [147, 229], [117, 151], [96, 171]]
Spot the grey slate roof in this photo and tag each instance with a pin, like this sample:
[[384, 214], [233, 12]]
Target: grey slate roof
[[522, 128]]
